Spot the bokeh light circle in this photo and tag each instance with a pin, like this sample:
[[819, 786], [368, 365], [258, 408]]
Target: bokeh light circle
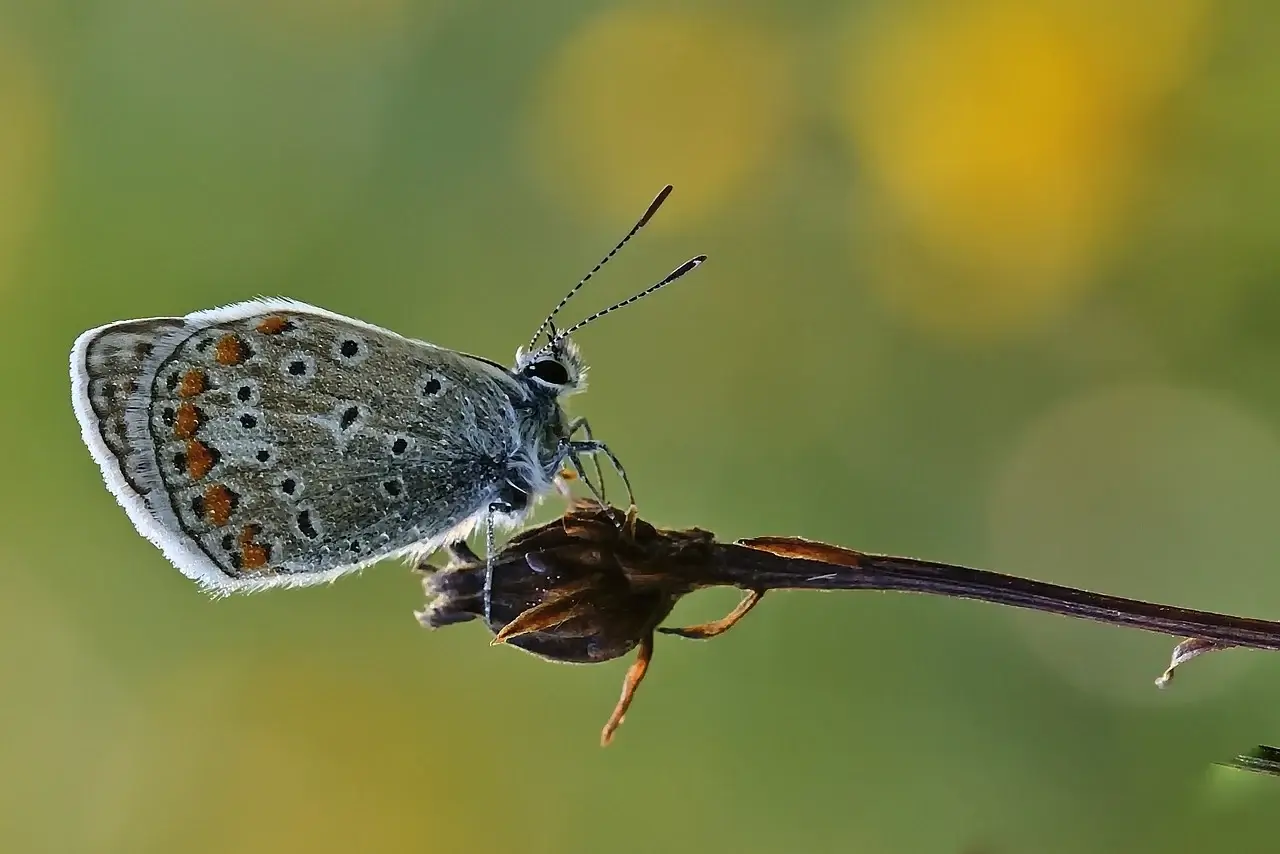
[[286, 752], [26, 152], [71, 728], [318, 26]]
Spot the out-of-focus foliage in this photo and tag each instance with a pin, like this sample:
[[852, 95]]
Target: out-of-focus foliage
[[990, 282]]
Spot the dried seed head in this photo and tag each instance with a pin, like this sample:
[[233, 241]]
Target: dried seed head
[[584, 588]]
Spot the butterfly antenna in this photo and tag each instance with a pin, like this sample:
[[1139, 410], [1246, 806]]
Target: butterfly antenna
[[675, 274], [648, 214]]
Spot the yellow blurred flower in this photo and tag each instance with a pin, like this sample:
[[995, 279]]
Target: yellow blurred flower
[[636, 99], [1003, 140]]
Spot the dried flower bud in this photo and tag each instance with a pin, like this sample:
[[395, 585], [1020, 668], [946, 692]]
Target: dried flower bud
[[581, 589], [590, 587]]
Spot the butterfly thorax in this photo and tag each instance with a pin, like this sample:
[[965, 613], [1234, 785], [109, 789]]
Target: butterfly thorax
[[539, 447], [541, 379]]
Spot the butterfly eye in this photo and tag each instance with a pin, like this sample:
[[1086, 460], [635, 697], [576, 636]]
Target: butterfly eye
[[548, 371]]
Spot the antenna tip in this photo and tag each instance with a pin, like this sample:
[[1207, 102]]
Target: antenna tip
[[653, 208], [680, 271]]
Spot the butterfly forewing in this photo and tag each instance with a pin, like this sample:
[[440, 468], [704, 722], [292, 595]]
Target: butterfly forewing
[[282, 445]]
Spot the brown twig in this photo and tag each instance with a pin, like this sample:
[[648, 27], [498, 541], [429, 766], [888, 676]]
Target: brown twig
[[596, 584]]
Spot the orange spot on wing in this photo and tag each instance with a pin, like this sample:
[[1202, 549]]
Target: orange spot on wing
[[186, 421], [218, 504], [200, 458], [193, 383], [253, 555], [230, 350], [274, 325]]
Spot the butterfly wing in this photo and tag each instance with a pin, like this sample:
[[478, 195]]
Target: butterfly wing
[[272, 443]]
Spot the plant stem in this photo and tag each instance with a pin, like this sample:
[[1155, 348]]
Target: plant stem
[[790, 564]]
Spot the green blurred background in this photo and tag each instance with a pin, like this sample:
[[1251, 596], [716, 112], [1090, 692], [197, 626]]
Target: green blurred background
[[991, 282]]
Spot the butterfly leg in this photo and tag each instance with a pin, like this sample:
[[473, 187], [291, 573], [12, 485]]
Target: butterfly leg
[[593, 447], [495, 508], [460, 554], [575, 459], [722, 625], [582, 425]]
